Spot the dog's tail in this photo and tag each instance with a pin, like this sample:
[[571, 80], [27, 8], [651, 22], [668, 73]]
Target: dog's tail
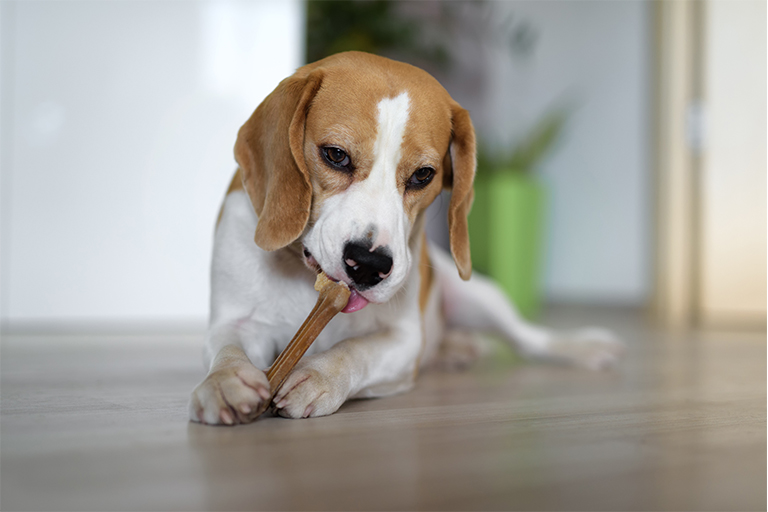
[[480, 305]]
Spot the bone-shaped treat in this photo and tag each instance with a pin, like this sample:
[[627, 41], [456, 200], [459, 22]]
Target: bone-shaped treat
[[333, 297]]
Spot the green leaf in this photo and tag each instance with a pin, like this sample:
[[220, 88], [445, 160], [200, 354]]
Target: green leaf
[[527, 155]]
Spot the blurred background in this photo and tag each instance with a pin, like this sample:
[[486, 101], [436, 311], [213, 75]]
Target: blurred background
[[623, 147]]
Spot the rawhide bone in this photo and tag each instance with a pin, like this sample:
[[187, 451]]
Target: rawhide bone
[[333, 297]]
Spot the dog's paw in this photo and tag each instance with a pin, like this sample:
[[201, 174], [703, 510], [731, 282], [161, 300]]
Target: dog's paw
[[593, 348], [308, 393], [458, 350], [229, 396]]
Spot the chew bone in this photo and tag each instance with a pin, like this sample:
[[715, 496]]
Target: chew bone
[[333, 297]]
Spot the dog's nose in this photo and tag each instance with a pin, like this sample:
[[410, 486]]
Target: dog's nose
[[365, 267]]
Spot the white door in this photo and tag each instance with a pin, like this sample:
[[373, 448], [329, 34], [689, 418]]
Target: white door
[[732, 227]]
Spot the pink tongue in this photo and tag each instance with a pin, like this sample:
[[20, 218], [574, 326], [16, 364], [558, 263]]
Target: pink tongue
[[356, 302]]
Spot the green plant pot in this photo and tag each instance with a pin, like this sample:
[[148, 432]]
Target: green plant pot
[[506, 234]]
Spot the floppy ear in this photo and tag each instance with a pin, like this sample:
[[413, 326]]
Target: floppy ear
[[270, 152], [462, 174]]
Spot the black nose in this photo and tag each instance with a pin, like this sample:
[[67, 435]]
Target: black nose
[[365, 267]]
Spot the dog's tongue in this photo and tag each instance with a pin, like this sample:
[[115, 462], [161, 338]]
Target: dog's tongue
[[356, 302]]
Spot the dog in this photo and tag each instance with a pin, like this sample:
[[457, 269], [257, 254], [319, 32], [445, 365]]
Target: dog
[[336, 169]]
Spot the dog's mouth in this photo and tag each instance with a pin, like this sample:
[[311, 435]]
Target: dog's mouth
[[356, 301]]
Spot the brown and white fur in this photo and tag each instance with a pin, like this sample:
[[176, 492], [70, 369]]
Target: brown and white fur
[[348, 153]]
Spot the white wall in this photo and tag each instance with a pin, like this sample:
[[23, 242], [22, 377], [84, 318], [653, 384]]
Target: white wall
[[595, 56], [732, 269], [118, 120], [118, 124]]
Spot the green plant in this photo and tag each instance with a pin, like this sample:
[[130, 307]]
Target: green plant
[[373, 26], [526, 156]]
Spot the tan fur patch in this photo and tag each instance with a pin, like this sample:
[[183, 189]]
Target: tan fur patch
[[426, 283], [426, 275], [234, 185], [463, 163], [269, 149]]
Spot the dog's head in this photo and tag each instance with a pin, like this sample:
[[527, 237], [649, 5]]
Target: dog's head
[[345, 156]]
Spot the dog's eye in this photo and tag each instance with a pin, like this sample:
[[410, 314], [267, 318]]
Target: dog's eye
[[421, 177], [336, 157]]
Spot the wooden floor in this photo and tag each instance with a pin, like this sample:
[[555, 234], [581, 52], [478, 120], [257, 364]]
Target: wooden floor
[[100, 423]]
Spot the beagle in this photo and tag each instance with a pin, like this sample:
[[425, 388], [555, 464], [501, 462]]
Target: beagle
[[336, 169]]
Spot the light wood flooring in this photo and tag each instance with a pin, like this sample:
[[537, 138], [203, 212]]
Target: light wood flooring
[[94, 422]]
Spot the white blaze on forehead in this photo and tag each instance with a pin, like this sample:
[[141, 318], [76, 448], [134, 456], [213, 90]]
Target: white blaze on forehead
[[381, 184], [390, 130]]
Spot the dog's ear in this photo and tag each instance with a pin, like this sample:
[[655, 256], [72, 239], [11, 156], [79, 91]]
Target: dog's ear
[[459, 179], [270, 152]]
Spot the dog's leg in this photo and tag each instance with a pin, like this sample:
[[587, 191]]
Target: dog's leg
[[231, 393], [458, 350], [479, 304], [377, 365]]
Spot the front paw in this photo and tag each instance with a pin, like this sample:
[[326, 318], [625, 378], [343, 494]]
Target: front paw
[[308, 393], [229, 396]]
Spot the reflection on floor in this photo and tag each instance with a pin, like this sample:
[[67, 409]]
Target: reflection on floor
[[100, 423]]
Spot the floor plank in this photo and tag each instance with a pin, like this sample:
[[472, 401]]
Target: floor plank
[[99, 423]]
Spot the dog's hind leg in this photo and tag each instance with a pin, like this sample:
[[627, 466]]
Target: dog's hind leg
[[457, 350], [480, 305]]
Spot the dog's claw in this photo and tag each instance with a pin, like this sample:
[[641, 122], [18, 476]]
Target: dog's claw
[[225, 417]]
